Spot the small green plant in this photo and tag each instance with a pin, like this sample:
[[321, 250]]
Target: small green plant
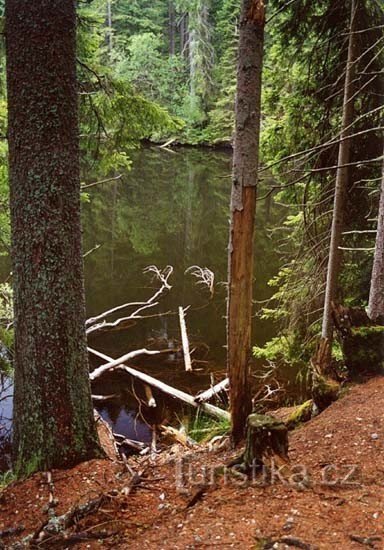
[[204, 428], [6, 478]]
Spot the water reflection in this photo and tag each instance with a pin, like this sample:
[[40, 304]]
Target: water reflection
[[170, 209]]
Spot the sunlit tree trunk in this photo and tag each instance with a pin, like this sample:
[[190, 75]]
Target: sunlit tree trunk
[[341, 185], [53, 415], [243, 203], [376, 294]]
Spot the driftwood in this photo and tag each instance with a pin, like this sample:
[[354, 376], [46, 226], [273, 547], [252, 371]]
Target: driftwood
[[184, 340], [213, 391], [204, 276], [151, 401], [118, 362], [147, 379], [99, 322], [136, 445]]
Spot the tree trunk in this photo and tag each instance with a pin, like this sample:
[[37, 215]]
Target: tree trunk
[[243, 203], [109, 30], [376, 294], [53, 416], [172, 27], [341, 186], [183, 29]]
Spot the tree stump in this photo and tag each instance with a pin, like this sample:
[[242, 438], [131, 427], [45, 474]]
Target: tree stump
[[324, 391], [266, 437], [361, 340]]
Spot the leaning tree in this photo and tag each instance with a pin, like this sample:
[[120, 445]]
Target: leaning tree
[[53, 417]]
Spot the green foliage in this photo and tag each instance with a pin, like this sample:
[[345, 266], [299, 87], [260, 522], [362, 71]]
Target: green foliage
[[159, 78], [204, 428], [6, 479], [302, 413]]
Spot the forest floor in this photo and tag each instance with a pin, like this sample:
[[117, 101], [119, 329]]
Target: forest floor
[[181, 499]]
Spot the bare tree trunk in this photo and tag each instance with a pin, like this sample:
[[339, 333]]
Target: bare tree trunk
[[172, 27], [53, 414], [341, 185], [376, 293], [109, 30], [243, 204], [183, 29]]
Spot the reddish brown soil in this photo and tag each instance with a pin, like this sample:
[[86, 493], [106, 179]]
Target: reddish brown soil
[[328, 510]]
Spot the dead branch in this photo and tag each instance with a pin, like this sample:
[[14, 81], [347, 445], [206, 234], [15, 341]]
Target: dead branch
[[204, 276], [87, 185], [173, 392], [163, 276], [119, 362], [57, 525], [184, 340], [151, 401], [212, 391], [91, 250]]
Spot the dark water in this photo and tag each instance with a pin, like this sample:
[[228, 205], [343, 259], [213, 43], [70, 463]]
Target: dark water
[[170, 209]]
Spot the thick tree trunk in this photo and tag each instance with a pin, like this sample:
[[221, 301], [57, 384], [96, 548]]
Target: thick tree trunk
[[243, 203], [376, 294], [341, 184], [53, 416]]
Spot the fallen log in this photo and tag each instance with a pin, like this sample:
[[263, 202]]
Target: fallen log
[[184, 340], [211, 392], [117, 362], [147, 379]]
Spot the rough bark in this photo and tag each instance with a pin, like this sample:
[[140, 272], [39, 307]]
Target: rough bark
[[243, 204], [341, 184], [267, 438], [376, 294], [53, 416]]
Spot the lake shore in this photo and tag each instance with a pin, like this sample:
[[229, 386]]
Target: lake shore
[[182, 499]]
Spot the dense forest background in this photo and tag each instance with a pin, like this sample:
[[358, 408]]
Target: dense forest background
[[165, 71]]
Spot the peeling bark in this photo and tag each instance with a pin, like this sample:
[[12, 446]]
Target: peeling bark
[[53, 415], [243, 204]]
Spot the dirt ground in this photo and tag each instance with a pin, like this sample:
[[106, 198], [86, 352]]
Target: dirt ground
[[330, 497]]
